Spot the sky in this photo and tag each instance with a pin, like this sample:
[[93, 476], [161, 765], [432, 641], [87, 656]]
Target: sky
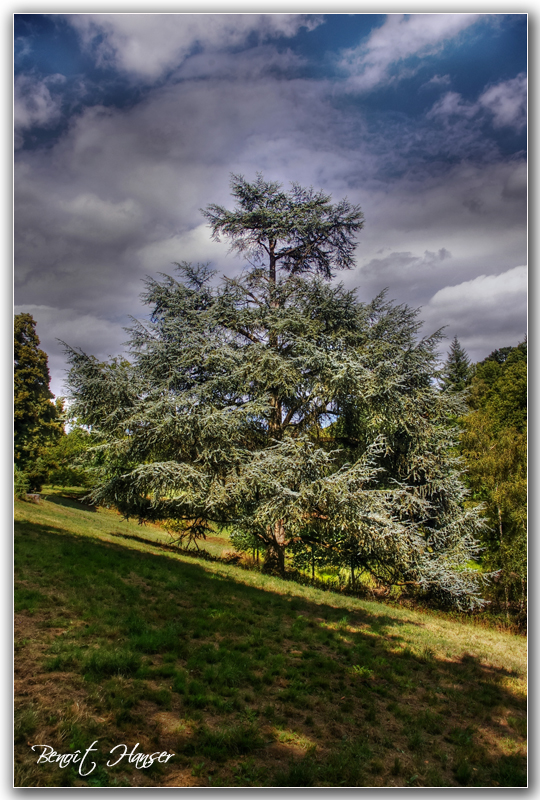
[[126, 125]]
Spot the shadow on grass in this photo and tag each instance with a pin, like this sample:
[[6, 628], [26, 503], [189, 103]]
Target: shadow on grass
[[231, 649], [68, 502]]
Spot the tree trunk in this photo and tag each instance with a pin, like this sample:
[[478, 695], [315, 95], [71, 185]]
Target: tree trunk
[[274, 560], [272, 265], [275, 422], [499, 514]]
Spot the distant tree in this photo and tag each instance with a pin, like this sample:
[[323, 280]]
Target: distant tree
[[501, 387], [499, 355], [64, 460], [494, 444], [285, 408], [456, 372], [35, 415]]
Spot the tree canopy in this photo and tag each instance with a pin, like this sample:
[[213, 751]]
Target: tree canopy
[[494, 444], [298, 231], [283, 407]]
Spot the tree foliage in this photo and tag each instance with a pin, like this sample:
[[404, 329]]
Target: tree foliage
[[494, 444], [282, 406], [297, 232], [35, 416], [64, 460]]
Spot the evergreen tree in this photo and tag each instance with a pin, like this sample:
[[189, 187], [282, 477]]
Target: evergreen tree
[[456, 372], [282, 406], [35, 415], [296, 232]]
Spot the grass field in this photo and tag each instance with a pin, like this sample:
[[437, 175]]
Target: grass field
[[249, 680]]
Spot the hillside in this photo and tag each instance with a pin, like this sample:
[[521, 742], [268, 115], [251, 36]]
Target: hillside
[[249, 680]]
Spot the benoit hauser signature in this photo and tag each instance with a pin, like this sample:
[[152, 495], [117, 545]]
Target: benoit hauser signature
[[141, 760]]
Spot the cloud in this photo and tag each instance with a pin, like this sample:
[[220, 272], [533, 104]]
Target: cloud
[[34, 104], [409, 275], [436, 81], [422, 234], [452, 104], [117, 196], [100, 337], [89, 218], [147, 46], [193, 246], [22, 47], [249, 64], [487, 312], [489, 291], [506, 102], [399, 38]]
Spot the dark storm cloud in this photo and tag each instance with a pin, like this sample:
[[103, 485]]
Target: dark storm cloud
[[117, 195]]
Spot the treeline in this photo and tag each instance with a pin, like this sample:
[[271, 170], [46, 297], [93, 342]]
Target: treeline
[[493, 444]]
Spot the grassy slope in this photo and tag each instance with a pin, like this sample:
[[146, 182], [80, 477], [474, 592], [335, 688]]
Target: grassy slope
[[249, 680]]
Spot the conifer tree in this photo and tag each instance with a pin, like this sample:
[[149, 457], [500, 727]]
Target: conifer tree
[[283, 407], [456, 372], [35, 423]]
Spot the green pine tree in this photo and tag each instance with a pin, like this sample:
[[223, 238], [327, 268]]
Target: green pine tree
[[283, 407], [35, 415], [456, 372]]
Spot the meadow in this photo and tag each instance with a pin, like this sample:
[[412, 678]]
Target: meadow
[[250, 680]]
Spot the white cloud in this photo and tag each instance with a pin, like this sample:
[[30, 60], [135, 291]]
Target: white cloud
[[487, 312], [452, 104], [488, 291], [437, 81], [34, 104], [507, 101], [192, 246], [147, 46], [400, 37]]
